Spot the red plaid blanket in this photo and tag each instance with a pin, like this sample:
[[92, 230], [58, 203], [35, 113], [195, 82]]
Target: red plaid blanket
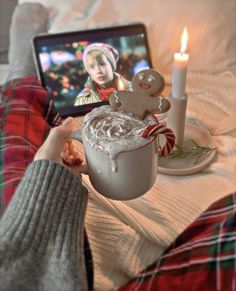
[[202, 258], [26, 115]]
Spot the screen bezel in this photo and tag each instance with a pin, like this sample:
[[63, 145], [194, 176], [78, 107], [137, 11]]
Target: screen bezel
[[90, 35]]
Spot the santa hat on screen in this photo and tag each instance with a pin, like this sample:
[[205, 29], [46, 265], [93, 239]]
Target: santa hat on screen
[[110, 52]]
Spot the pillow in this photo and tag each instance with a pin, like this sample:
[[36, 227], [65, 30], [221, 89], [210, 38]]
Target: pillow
[[211, 27], [6, 10]]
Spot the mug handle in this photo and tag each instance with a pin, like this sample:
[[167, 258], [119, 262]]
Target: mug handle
[[159, 129]]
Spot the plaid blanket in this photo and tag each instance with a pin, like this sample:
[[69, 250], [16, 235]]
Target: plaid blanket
[[202, 258], [26, 115]]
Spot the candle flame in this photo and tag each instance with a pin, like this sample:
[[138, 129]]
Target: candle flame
[[184, 40], [121, 85]]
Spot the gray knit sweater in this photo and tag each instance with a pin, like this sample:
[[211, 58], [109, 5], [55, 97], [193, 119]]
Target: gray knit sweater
[[41, 232]]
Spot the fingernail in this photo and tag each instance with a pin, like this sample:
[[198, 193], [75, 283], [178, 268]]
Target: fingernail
[[68, 120], [78, 161]]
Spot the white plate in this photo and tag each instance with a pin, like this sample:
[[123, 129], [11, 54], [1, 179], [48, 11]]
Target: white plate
[[188, 165]]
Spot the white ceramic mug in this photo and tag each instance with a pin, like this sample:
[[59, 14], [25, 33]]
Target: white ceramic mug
[[121, 151], [129, 176]]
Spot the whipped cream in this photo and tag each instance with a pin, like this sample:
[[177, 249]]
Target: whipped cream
[[114, 131]]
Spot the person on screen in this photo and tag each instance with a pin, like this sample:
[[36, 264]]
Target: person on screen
[[100, 62]]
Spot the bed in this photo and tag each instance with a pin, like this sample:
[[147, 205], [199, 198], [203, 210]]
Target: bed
[[126, 237]]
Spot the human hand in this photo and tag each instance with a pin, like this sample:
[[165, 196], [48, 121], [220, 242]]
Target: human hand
[[57, 147]]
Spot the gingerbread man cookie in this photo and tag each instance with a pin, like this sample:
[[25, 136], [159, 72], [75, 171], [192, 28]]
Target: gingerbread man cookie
[[145, 98]]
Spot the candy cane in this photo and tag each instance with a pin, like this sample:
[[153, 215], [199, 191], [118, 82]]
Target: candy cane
[[155, 130]]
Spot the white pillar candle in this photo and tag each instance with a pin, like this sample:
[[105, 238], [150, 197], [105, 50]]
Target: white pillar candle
[[178, 99], [180, 68]]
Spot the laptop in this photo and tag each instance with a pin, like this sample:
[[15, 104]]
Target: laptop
[[61, 69]]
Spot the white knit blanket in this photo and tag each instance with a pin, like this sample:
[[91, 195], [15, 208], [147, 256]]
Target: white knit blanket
[[126, 237]]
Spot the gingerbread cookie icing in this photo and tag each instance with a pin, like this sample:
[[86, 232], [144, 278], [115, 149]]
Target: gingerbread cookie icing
[[145, 98]]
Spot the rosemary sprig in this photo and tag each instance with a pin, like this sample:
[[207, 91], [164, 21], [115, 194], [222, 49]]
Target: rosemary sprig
[[195, 150]]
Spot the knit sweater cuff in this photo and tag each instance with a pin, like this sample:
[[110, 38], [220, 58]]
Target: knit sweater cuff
[[47, 210]]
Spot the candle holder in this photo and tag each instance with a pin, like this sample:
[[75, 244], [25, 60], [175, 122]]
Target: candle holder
[[176, 117], [188, 136]]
